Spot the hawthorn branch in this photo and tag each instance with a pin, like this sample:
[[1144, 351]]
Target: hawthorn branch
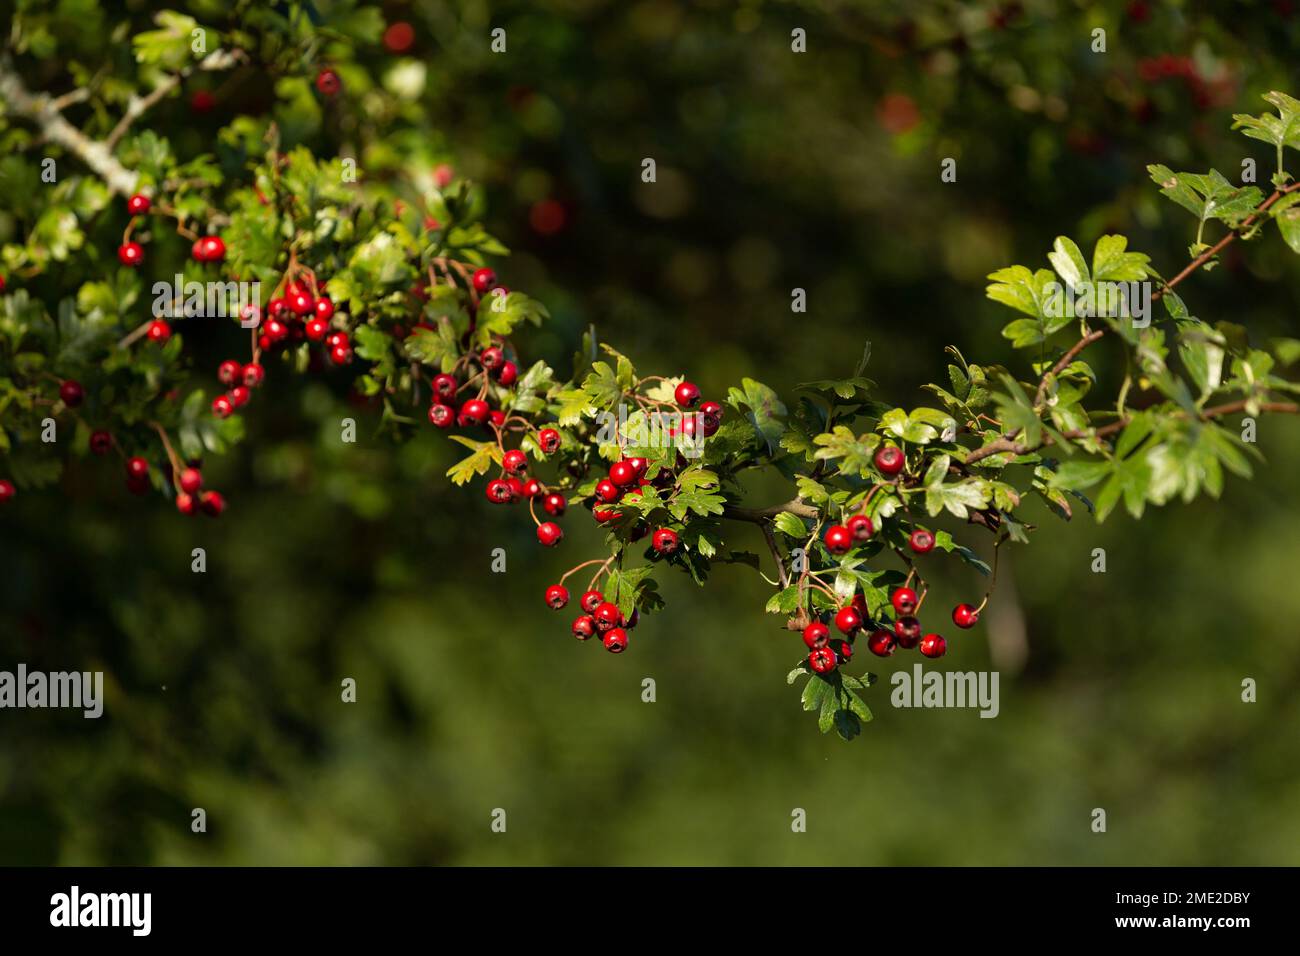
[[1007, 442], [760, 516], [42, 110]]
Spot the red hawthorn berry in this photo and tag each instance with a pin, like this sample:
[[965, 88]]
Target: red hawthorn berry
[[71, 392], [615, 640], [622, 473], [277, 308], [228, 372], [496, 418], [607, 491], [860, 605], [639, 466], [904, 601], [444, 387], [687, 395], [554, 504], [253, 375], [130, 254], [665, 541], [890, 460], [712, 410], [7, 490], [328, 82], [341, 355], [861, 528], [483, 279], [212, 503], [335, 339], [222, 407], [922, 541], [264, 343], [202, 101], [838, 540], [933, 645], [508, 374], [907, 631], [101, 443], [158, 331], [191, 480], [557, 596], [300, 303], [399, 36], [516, 487], [324, 308], [965, 616], [473, 412], [138, 204], [276, 330], [498, 492], [137, 467], [881, 643], [548, 440], [137, 486], [442, 415], [816, 635], [515, 462], [584, 627], [443, 174], [491, 358], [208, 249], [532, 488], [607, 615], [847, 620], [843, 651], [591, 600], [185, 504], [549, 533], [822, 660], [603, 514], [239, 396]]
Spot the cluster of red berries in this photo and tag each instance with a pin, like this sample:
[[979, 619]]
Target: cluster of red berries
[[190, 498], [240, 380], [825, 653], [599, 617], [131, 254]]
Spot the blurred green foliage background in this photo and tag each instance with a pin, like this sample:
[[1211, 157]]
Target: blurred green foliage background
[[820, 171]]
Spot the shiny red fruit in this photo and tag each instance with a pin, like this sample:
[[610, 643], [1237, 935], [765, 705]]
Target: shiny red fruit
[[816, 635], [473, 412], [687, 395], [548, 440], [186, 504], [101, 442], [933, 645], [665, 541], [130, 254], [212, 503], [508, 373], [498, 491], [904, 600], [444, 387], [622, 473], [881, 643], [442, 415], [72, 393], [491, 358], [138, 204], [532, 488], [615, 640], [549, 534], [158, 331], [228, 372], [965, 616], [907, 631], [822, 660], [921, 541], [191, 480], [847, 620], [861, 528], [555, 504], [328, 82], [890, 460], [591, 600], [584, 627], [324, 308], [515, 462], [838, 539], [483, 279], [222, 407], [607, 615], [557, 596], [137, 467], [607, 491], [300, 303], [252, 375]]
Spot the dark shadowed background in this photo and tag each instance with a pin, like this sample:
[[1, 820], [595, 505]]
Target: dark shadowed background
[[776, 170]]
